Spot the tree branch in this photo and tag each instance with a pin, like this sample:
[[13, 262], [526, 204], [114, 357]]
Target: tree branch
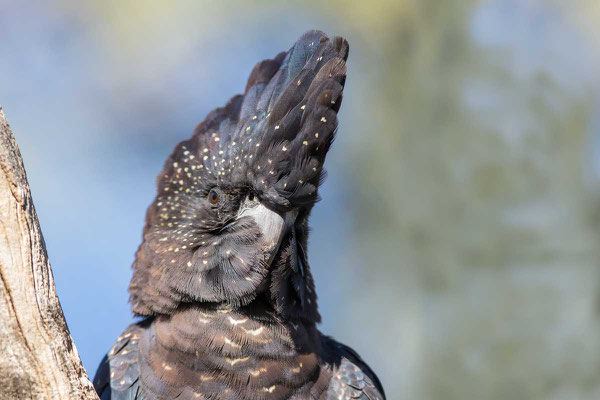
[[38, 359]]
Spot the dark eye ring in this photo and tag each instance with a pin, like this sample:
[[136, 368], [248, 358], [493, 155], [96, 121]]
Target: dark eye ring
[[213, 196]]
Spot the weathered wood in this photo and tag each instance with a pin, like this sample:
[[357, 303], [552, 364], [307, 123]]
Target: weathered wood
[[38, 359]]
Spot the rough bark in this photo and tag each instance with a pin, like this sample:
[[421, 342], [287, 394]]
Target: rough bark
[[38, 359]]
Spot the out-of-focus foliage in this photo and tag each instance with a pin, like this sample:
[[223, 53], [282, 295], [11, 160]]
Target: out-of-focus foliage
[[474, 203], [456, 244]]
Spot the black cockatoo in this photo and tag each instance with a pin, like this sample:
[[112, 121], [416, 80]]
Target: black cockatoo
[[222, 276]]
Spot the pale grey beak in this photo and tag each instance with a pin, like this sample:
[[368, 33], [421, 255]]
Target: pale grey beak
[[272, 224]]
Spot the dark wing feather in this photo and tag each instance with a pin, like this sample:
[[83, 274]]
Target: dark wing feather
[[102, 379], [352, 377], [117, 377]]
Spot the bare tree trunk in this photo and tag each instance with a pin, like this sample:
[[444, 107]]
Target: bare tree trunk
[[38, 359]]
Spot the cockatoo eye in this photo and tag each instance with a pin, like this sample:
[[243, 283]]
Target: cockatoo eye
[[213, 196]]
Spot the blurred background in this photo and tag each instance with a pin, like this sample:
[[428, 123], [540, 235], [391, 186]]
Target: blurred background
[[456, 245]]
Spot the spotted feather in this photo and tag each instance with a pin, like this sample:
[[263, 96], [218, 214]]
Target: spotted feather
[[118, 374], [351, 376]]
